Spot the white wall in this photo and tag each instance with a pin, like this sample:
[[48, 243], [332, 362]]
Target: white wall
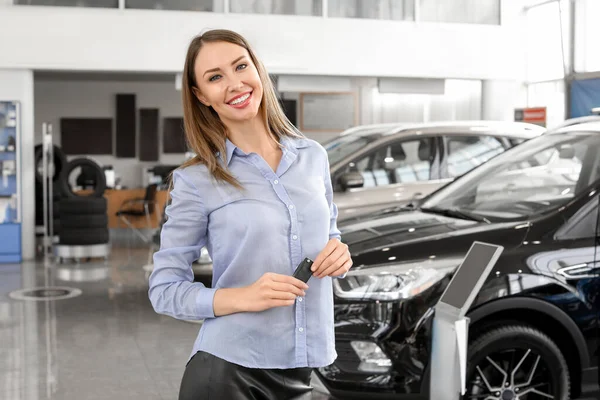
[[18, 85], [65, 96], [56, 38], [500, 98]]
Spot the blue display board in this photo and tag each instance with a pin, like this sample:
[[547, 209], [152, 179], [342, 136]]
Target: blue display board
[[585, 95], [10, 224]]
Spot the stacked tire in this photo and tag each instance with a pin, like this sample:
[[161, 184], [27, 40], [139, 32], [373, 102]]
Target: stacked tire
[[83, 219]]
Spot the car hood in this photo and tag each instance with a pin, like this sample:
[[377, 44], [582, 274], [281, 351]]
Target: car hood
[[410, 235]]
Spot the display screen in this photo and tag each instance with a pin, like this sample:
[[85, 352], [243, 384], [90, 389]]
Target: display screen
[[467, 275]]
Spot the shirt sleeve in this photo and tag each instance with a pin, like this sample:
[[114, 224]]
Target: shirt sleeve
[[334, 232], [172, 288]]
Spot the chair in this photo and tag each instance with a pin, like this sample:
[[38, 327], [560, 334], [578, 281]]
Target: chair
[[137, 208]]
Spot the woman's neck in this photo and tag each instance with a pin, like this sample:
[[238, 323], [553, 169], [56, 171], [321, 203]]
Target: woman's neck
[[252, 137]]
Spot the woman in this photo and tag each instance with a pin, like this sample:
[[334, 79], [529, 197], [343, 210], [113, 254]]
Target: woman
[[258, 195]]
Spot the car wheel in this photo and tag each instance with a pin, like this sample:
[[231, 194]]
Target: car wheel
[[516, 362]]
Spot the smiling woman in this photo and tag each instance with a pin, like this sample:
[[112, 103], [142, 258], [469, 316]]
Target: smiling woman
[[258, 196]]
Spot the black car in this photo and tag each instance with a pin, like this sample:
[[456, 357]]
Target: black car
[[534, 324]]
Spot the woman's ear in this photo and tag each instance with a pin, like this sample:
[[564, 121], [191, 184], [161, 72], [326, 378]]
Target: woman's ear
[[200, 97]]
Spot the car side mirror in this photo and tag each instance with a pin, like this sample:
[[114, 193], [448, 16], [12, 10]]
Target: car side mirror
[[351, 180]]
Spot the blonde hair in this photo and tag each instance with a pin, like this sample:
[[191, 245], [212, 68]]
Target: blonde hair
[[204, 131]]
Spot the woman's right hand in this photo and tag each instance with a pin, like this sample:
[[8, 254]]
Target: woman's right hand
[[273, 290]]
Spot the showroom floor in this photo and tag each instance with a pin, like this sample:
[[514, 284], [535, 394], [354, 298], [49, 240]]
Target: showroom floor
[[106, 343]]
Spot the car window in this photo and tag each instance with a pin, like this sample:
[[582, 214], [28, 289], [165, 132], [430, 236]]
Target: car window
[[398, 162], [534, 177], [467, 152], [344, 146], [583, 225]]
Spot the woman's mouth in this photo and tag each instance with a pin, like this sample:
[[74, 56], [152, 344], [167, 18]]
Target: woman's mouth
[[241, 101]]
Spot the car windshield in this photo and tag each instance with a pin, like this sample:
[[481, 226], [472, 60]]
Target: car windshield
[[532, 178], [343, 146]]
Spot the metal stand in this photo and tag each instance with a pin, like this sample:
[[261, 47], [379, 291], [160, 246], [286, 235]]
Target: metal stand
[[47, 187], [451, 326]]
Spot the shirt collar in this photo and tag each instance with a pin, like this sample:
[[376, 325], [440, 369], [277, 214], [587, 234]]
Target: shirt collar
[[289, 143]]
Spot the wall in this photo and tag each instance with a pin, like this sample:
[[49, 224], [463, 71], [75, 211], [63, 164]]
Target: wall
[[68, 95], [18, 85], [56, 38]]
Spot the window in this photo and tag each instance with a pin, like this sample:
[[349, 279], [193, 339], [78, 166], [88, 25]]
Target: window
[[181, 5], [584, 224], [460, 11], [467, 152], [398, 10], [281, 7], [399, 162], [70, 3]]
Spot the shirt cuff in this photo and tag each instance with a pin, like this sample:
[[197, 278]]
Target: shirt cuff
[[204, 303]]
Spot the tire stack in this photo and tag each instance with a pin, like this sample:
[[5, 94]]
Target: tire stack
[[83, 219], [57, 165]]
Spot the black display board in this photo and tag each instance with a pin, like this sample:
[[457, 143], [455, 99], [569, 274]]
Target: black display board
[[173, 135], [126, 125], [148, 134], [86, 135]]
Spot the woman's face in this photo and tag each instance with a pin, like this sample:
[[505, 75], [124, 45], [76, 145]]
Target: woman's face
[[228, 81]]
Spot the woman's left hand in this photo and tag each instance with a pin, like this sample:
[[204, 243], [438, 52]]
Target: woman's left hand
[[333, 260]]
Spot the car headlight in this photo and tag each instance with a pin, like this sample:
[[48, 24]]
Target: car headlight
[[390, 282]]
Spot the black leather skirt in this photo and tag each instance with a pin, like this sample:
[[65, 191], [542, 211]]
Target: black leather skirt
[[208, 377]]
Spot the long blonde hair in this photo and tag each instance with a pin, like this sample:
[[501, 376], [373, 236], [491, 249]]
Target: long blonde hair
[[204, 131]]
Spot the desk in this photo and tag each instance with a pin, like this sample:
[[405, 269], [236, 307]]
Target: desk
[[115, 199]]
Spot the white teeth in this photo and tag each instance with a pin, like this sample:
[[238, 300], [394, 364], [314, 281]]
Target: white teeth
[[240, 99]]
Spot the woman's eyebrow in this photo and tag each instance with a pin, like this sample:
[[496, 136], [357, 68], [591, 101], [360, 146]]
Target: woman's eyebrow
[[217, 69]]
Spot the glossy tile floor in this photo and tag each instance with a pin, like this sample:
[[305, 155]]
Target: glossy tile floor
[[107, 343]]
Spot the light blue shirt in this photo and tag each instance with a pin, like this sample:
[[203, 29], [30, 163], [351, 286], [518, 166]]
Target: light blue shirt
[[281, 218]]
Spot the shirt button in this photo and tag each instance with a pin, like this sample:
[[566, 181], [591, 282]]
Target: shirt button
[[276, 181], [294, 237], [299, 298], [301, 329], [291, 206]]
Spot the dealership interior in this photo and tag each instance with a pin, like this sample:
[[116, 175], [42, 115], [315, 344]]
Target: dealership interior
[[419, 149]]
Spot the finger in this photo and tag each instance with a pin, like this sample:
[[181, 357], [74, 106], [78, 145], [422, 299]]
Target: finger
[[344, 269], [329, 248], [281, 303], [337, 264], [277, 295], [290, 280], [289, 288], [334, 257]]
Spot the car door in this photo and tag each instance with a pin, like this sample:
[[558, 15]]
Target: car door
[[462, 153], [576, 262], [393, 173]]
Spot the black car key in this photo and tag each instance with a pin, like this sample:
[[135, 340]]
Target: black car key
[[303, 271]]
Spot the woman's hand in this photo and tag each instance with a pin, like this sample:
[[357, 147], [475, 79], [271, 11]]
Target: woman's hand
[[272, 290], [333, 260]]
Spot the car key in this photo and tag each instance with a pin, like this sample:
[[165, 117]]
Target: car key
[[303, 271]]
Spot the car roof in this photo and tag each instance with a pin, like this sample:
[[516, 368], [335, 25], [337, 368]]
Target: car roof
[[591, 125], [505, 128]]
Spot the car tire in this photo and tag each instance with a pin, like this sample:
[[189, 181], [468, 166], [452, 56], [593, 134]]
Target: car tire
[[59, 162], [82, 205], [519, 342], [75, 221], [83, 237], [83, 162]]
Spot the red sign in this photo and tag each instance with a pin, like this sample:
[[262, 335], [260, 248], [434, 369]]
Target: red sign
[[534, 115]]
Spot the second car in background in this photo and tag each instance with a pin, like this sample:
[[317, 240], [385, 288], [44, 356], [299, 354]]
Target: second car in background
[[377, 166]]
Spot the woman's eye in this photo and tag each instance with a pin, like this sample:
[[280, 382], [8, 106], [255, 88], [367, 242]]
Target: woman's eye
[[214, 78], [241, 66]]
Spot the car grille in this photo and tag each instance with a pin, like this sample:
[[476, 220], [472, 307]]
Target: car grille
[[347, 359]]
